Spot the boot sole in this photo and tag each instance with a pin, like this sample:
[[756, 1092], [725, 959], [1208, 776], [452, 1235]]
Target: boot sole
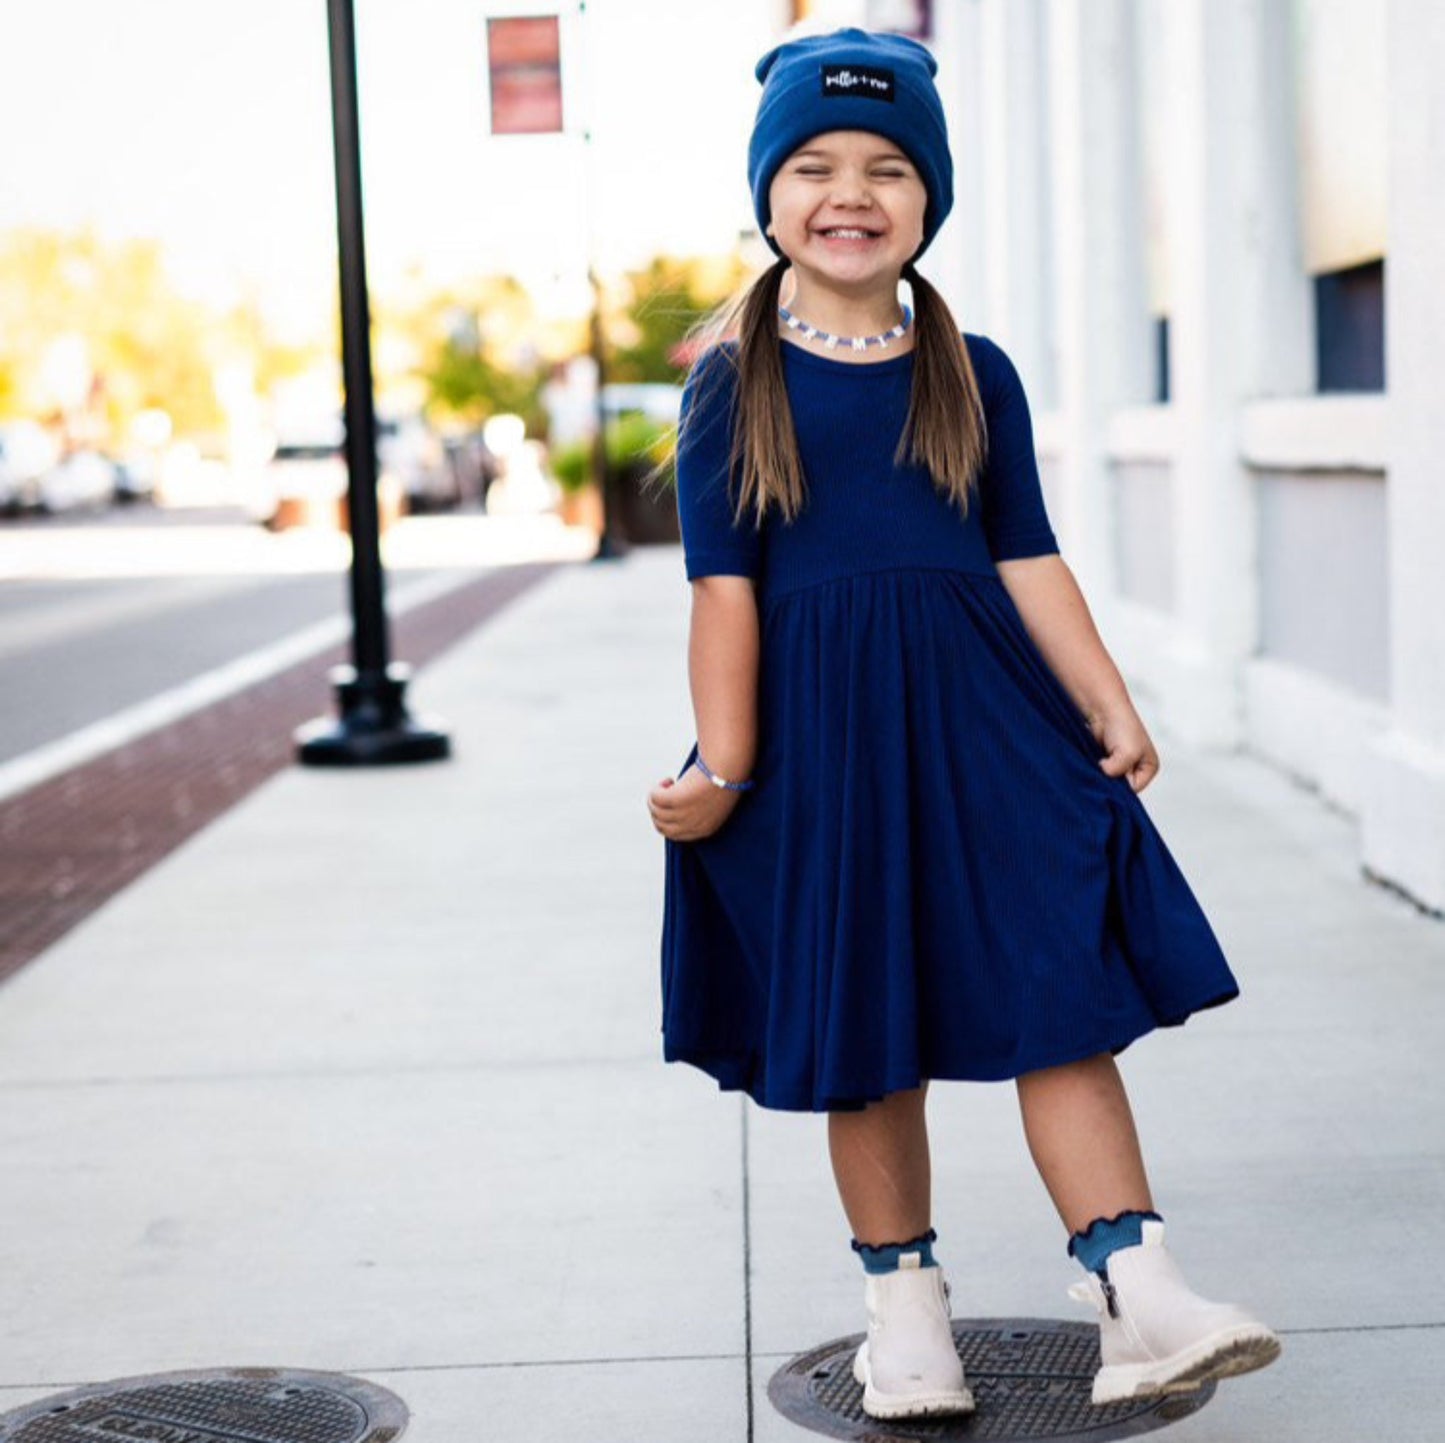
[[907, 1405], [1223, 1356]]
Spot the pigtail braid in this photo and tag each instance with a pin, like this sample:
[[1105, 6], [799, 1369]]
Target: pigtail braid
[[944, 431]]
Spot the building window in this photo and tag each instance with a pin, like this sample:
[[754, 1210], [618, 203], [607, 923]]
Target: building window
[[1350, 328], [1161, 359]]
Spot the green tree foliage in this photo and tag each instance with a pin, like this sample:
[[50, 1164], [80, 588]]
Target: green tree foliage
[[477, 350], [466, 383], [662, 301]]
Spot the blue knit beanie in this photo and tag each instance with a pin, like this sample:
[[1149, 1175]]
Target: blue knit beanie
[[851, 80]]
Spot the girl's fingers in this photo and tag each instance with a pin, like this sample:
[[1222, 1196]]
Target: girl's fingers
[[1118, 765]]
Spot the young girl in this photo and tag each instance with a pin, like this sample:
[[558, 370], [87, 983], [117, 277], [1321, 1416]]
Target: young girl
[[911, 845]]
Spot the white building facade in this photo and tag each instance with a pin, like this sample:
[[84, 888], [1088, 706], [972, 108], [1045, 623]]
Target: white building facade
[[1211, 233]]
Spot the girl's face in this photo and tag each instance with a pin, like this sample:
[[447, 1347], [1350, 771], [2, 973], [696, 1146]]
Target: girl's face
[[848, 208]]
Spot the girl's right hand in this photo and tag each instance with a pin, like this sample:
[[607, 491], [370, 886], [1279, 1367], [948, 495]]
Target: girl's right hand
[[688, 808], [1129, 751]]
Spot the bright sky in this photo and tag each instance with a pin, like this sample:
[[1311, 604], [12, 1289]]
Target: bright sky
[[208, 125]]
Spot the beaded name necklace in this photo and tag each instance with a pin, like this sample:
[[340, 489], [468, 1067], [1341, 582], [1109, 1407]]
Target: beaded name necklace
[[832, 342]]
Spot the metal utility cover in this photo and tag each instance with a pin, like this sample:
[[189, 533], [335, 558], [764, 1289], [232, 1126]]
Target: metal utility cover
[[1030, 1379], [224, 1405]]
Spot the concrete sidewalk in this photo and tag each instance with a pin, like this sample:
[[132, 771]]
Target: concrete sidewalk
[[367, 1077]]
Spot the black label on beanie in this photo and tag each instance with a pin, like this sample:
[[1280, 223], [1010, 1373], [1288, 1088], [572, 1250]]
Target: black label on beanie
[[864, 80]]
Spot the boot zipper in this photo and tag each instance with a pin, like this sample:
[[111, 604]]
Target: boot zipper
[[1110, 1299]]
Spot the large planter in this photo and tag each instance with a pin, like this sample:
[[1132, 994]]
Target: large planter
[[333, 513], [644, 517], [582, 507]]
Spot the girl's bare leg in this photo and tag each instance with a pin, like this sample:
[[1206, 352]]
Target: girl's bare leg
[[1081, 1133], [881, 1164]]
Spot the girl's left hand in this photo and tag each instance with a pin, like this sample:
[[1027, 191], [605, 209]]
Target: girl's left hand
[[690, 807], [1130, 753]]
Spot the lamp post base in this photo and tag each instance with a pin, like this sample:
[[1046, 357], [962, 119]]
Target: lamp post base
[[373, 728]]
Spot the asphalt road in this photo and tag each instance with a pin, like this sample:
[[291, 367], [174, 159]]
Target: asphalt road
[[102, 611]]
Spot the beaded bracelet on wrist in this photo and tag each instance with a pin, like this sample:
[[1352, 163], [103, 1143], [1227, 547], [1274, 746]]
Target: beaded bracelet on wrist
[[717, 781]]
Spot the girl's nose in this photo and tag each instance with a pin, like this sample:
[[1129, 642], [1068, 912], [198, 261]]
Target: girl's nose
[[851, 190]]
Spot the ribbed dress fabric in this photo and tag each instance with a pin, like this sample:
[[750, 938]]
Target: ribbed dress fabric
[[931, 877]]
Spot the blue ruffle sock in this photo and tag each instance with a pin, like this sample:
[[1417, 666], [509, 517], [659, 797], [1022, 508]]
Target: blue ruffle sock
[[1107, 1235], [884, 1257]]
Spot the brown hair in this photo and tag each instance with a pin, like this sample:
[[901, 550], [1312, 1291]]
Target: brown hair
[[944, 431]]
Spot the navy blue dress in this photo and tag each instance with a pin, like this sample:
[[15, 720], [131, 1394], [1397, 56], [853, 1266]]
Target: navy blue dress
[[931, 877]]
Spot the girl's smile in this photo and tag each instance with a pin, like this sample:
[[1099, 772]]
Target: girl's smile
[[841, 236]]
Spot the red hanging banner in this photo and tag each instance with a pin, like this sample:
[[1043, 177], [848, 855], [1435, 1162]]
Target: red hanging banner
[[524, 63]]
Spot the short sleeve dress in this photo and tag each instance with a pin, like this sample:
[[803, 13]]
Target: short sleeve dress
[[931, 877]]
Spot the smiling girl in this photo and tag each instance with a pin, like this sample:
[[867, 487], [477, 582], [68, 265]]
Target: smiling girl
[[907, 843]]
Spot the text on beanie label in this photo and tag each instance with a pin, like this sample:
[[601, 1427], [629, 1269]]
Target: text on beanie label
[[861, 80]]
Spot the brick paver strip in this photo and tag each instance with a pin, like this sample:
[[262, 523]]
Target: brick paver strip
[[69, 844]]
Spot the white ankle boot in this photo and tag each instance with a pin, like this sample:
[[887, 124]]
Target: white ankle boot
[[908, 1364], [1156, 1336]]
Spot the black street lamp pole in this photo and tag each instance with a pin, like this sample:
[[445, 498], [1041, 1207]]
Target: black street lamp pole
[[608, 546], [373, 726]]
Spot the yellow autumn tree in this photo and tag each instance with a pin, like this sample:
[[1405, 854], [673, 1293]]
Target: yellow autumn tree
[[112, 303]]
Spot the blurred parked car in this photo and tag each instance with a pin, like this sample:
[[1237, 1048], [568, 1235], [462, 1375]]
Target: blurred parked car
[[27, 452], [10, 496], [474, 467], [135, 477], [412, 452], [83, 478], [305, 482]]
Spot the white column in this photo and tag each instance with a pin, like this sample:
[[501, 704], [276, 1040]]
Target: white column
[[1014, 218], [1101, 333], [1403, 818], [1237, 326], [954, 262]]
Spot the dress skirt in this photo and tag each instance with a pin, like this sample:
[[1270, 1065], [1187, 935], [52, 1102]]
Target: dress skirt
[[931, 877]]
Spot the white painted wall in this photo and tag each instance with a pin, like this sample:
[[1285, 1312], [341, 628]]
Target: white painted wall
[[1295, 536]]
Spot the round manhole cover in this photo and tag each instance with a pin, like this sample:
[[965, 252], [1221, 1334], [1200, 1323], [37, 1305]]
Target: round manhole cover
[[1030, 1380], [230, 1405]]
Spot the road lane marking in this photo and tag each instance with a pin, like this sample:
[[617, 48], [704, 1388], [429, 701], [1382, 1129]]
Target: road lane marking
[[73, 750]]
